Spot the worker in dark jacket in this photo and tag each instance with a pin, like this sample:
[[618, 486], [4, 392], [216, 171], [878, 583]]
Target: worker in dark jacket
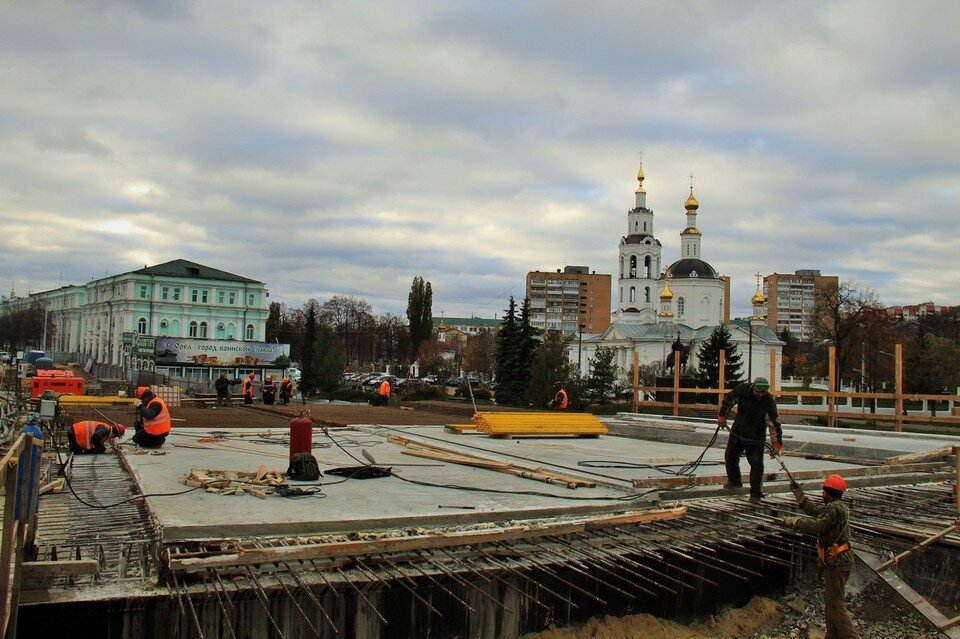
[[830, 522], [749, 432], [153, 419], [286, 390], [269, 390], [91, 436], [222, 385]]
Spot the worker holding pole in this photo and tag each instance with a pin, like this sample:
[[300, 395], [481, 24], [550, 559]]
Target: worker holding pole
[[830, 522], [749, 433], [152, 424]]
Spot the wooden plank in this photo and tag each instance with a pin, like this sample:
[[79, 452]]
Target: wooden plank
[[922, 456], [6, 546], [863, 471], [910, 595], [37, 569], [339, 549], [55, 487]]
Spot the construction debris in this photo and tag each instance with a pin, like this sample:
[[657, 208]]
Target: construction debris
[[539, 473], [235, 482], [516, 424]]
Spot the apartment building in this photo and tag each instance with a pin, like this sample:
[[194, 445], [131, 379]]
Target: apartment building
[[569, 300], [791, 301]]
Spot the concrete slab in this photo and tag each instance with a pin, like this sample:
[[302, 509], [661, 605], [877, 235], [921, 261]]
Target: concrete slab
[[355, 505]]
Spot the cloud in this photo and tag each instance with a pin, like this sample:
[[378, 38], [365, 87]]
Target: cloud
[[333, 149]]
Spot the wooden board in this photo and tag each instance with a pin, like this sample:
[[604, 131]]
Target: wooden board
[[418, 542]]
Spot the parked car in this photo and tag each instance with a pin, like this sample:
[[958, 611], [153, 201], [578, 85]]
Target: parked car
[[412, 382], [429, 379]]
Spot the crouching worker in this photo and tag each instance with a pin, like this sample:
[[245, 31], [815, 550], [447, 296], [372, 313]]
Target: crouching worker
[[153, 419], [92, 437], [830, 522]]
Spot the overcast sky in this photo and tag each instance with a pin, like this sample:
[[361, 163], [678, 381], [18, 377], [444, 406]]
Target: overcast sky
[[345, 147]]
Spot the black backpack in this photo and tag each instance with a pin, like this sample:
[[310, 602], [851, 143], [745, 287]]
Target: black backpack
[[303, 467]]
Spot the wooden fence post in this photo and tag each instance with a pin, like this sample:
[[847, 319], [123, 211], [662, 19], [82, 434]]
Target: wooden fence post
[[831, 388], [676, 383], [6, 545], [898, 390], [723, 378]]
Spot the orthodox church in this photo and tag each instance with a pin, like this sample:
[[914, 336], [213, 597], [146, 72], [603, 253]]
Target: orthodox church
[[682, 303]]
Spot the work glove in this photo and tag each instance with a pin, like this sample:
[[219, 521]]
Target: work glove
[[775, 449], [797, 493], [790, 522], [137, 403], [722, 421]]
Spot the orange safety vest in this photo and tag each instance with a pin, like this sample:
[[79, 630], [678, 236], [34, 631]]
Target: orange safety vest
[[385, 389], [247, 386], [562, 396], [159, 425], [83, 433]]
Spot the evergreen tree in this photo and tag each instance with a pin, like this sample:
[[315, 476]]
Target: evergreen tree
[[274, 320], [329, 359], [309, 377], [603, 375], [708, 370], [508, 387], [527, 346], [549, 365], [420, 313]]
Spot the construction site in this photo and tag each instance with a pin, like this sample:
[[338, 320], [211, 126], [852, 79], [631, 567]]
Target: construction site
[[433, 520]]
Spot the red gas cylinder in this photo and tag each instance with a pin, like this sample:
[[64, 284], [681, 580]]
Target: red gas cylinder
[[301, 434]]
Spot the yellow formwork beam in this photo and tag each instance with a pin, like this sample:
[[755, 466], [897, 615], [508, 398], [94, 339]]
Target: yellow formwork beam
[[93, 400], [539, 423]]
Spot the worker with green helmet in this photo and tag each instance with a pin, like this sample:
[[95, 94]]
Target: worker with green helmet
[[749, 432]]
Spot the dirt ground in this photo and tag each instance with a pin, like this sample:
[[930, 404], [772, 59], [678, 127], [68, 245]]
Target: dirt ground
[[259, 416], [798, 614]]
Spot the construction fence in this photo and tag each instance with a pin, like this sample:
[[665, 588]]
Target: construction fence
[[897, 407]]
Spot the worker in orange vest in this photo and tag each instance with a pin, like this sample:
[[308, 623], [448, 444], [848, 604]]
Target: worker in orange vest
[[286, 390], [153, 419], [384, 392], [560, 399], [247, 388], [91, 437]]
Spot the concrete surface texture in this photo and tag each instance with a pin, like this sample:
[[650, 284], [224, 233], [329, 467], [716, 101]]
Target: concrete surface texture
[[448, 493]]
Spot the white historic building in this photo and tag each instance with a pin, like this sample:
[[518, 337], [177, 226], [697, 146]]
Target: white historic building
[[685, 301]]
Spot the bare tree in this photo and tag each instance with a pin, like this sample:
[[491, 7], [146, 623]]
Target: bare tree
[[842, 312], [352, 321]]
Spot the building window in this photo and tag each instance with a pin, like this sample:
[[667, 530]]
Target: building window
[[232, 298], [143, 291], [220, 297], [194, 295], [633, 294], [203, 329], [204, 296], [249, 331], [176, 294], [250, 299], [142, 325], [646, 293], [644, 227], [680, 305], [165, 292], [192, 331], [633, 266], [646, 267]]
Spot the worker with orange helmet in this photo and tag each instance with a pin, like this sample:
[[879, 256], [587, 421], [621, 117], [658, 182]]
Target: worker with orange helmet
[[91, 436], [830, 522], [153, 421], [269, 390], [384, 392], [247, 388], [560, 399], [286, 390]]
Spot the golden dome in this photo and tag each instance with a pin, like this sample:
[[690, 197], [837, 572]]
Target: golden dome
[[691, 204], [640, 177], [666, 294], [758, 298], [691, 230]]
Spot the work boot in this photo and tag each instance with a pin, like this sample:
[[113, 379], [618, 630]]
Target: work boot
[[732, 486], [755, 499]]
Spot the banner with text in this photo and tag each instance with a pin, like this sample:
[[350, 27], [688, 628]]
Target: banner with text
[[213, 352]]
